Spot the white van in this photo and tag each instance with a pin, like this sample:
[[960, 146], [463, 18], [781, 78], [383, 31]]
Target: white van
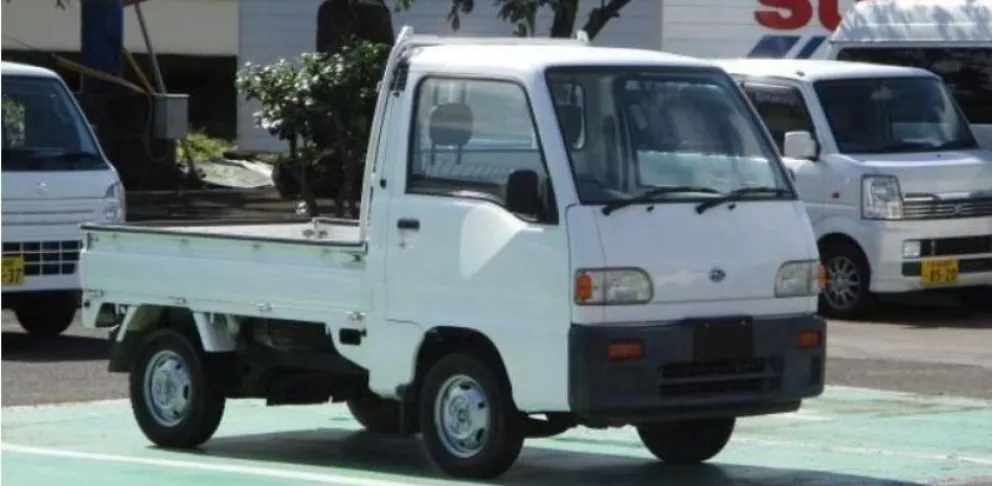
[[55, 177], [952, 38], [897, 188]]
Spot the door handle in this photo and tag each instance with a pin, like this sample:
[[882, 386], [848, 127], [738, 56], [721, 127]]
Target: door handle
[[408, 224]]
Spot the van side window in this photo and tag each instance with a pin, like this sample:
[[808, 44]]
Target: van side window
[[781, 108], [470, 137], [967, 71]]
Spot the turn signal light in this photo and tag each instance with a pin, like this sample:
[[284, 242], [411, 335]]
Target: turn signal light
[[809, 339], [625, 350]]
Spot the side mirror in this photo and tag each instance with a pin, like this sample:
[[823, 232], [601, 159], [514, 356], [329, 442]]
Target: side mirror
[[523, 194], [800, 145]]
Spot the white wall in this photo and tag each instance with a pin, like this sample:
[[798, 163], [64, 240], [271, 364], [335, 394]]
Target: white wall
[[197, 27], [273, 29]]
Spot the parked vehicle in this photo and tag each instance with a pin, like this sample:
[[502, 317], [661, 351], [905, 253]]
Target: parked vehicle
[[897, 188], [535, 273], [55, 177], [952, 38]]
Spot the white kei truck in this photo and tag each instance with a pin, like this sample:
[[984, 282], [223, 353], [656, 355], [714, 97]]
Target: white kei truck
[[551, 235], [55, 177], [898, 189]]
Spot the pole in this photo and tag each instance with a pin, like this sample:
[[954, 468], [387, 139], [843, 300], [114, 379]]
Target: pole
[[159, 82]]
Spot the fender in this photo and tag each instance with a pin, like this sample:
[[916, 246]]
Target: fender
[[841, 225]]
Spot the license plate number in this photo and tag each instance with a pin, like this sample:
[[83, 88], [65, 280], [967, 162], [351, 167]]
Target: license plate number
[[939, 272], [13, 270]]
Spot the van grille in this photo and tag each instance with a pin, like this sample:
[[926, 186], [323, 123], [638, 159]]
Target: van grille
[[45, 258], [947, 208], [732, 376]]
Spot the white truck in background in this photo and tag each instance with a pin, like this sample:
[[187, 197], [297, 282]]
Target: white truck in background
[[897, 188], [55, 177], [537, 237]]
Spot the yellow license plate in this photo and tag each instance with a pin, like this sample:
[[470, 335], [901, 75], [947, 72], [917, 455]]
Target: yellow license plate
[[13, 270], [939, 272]]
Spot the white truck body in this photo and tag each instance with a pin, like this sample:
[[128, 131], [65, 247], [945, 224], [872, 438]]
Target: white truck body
[[897, 188], [55, 177], [952, 38], [511, 224]]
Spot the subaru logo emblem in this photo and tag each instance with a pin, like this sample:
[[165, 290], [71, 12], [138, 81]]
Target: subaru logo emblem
[[717, 275]]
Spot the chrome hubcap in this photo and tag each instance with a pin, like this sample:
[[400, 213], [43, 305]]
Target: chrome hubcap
[[843, 283], [461, 416], [167, 388]]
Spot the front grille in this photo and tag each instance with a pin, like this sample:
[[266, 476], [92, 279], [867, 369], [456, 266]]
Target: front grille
[[947, 208], [964, 245], [732, 376], [45, 258]]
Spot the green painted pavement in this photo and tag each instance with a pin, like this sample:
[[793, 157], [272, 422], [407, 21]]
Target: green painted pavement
[[846, 437]]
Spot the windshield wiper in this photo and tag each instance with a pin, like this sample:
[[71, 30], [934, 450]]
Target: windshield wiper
[[650, 194], [739, 194], [957, 145], [76, 156]]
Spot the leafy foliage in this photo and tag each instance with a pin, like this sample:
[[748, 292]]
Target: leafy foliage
[[323, 102]]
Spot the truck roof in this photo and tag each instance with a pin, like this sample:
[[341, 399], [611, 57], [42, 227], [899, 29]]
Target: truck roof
[[807, 70], [534, 59], [19, 69], [875, 21]]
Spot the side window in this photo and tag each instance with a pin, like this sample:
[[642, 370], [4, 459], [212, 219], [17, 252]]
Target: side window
[[476, 138], [781, 108], [570, 103]]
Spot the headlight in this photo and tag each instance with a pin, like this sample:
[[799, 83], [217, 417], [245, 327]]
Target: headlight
[[114, 204], [798, 279], [613, 286], [881, 197]]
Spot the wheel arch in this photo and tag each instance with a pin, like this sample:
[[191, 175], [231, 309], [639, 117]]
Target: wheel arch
[[443, 340]]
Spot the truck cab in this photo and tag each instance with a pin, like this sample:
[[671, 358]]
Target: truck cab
[[55, 177], [897, 187], [541, 245]]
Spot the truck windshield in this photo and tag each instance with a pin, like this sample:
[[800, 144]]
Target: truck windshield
[[893, 115], [631, 131], [42, 128]]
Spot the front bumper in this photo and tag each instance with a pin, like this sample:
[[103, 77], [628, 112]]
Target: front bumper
[[757, 369]]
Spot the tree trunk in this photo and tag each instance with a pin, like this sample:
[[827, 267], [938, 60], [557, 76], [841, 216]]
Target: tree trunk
[[564, 20], [301, 176], [599, 16]]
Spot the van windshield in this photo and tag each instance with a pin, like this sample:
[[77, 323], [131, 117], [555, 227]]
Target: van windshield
[[42, 128], [893, 115], [630, 131]]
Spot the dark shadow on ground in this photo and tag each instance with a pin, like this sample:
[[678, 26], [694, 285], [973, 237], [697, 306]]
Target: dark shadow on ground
[[24, 348], [927, 310], [363, 452]]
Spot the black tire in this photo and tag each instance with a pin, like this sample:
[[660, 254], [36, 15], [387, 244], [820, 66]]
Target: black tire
[[46, 314], [205, 395], [686, 442], [501, 440], [844, 257], [376, 414], [975, 298]]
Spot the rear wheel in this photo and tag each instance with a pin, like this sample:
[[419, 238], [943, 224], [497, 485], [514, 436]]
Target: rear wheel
[[686, 442], [469, 424], [46, 314], [847, 293], [176, 401], [375, 413]]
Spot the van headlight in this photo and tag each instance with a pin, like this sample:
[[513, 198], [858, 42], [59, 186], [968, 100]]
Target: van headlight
[[799, 279], [613, 286], [114, 204], [881, 197]]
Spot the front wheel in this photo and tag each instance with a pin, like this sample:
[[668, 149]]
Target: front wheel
[[847, 294], [686, 442], [467, 418], [176, 401], [46, 314]]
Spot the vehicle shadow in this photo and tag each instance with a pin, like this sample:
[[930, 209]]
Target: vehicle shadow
[[924, 310], [17, 346], [366, 452]]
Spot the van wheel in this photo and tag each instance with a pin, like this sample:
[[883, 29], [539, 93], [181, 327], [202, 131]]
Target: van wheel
[[468, 421], [686, 442], [376, 414], [176, 401], [847, 293], [46, 314]]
